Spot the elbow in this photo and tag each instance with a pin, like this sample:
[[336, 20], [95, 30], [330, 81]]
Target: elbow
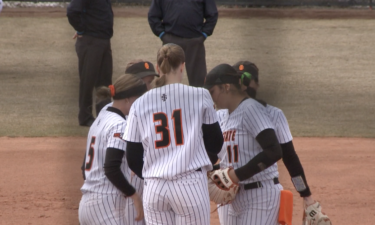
[[70, 14], [278, 153], [107, 172]]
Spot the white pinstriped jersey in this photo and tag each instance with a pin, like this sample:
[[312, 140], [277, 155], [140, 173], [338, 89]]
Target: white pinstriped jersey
[[239, 130], [280, 122], [106, 132], [168, 121]]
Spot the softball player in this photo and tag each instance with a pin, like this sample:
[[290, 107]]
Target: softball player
[[172, 139], [110, 194], [250, 147], [290, 157], [1, 5]]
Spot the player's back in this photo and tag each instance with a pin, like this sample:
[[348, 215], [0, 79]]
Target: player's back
[[169, 119], [106, 131]]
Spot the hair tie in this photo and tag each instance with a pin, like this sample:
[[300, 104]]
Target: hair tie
[[112, 89]]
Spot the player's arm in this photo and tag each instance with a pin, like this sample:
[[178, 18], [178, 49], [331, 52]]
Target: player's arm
[[295, 169], [112, 170], [271, 154], [74, 12], [290, 157], [210, 15], [212, 134], [134, 156], [155, 17], [213, 140], [83, 167]]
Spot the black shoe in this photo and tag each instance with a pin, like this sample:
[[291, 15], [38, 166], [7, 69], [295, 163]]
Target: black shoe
[[88, 123]]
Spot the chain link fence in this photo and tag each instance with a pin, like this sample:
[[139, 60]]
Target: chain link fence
[[241, 3]]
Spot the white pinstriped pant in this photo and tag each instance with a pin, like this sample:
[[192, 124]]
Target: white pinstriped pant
[[107, 209], [182, 201], [259, 206]]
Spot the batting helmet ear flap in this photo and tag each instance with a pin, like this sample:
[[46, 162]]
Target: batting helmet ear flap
[[246, 78]]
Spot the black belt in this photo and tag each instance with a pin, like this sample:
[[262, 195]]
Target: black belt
[[200, 169], [259, 184]]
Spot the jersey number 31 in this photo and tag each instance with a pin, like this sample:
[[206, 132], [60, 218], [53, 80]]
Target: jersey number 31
[[163, 129]]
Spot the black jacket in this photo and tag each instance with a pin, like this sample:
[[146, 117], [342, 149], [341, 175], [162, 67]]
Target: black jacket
[[183, 18], [91, 17]]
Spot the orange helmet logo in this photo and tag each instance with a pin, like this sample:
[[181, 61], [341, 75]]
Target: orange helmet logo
[[241, 67], [147, 66]]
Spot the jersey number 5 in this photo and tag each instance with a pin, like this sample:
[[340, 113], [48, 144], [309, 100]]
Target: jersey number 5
[[163, 129], [91, 154]]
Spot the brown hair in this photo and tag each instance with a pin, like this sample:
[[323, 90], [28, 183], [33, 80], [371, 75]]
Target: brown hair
[[170, 57], [123, 83]]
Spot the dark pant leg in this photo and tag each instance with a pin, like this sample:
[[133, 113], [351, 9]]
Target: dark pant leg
[[105, 78], [90, 53], [195, 57]]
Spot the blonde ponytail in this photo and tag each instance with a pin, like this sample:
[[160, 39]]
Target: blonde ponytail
[[170, 57]]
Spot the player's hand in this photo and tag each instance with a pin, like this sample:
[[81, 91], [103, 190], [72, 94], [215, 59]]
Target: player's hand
[[76, 36], [138, 206], [233, 176]]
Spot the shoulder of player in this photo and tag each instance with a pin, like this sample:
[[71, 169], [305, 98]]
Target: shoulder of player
[[113, 118], [197, 90], [274, 109], [250, 103]]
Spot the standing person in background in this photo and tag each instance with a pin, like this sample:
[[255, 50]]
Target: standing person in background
[[1, 5], [187, 24], [173, 137], [93, 22], [110, 194]]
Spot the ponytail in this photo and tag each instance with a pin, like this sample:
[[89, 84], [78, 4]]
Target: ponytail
[[161, 81], [170, 57]]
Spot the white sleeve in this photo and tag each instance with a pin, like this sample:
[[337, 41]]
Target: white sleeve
[[282, 129], [209, 113], [132, 133], [256, 119], [115, 136]]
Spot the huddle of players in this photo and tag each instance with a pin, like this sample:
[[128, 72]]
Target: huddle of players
[[171, 136]]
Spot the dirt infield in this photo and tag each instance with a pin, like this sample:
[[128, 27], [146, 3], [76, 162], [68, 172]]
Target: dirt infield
[[41, 178]]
